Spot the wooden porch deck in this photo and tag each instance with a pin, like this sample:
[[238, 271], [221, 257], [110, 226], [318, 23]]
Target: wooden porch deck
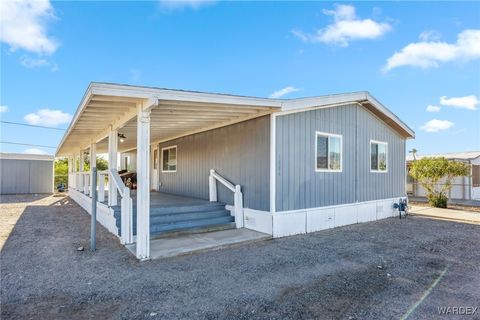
[[161, 200]]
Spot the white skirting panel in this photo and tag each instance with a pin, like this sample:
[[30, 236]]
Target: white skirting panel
[[287, 224], [315, 219], [257, 220], [260, 221], [104, 213], [320, 219]]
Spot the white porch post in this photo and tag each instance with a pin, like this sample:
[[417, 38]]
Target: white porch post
[[93, 164], [70, 172], [112, 164], [81, 162], [212, 187], [143, 183], [74, 171]]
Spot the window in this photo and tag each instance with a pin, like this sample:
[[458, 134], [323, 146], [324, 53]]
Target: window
[[378, 156], [169, 159], [328, 152]]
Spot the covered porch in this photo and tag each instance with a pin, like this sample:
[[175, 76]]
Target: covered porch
[[116, 118]]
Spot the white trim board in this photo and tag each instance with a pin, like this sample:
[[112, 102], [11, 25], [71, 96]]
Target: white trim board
[[273, 161]]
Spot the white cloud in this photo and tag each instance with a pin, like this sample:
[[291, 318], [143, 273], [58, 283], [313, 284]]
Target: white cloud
[[23, 25], [280, 93], [182, 4], [436, 125], [429, 35], [3, 109], [428, 53], [34, 151], [37, 62], [48, 117], [467, 102], [432, 108], [345, 28]]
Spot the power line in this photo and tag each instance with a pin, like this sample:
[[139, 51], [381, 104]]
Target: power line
[[27, 144], [31, 125]]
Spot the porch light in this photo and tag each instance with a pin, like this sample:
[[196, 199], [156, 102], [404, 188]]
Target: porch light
[[122, 137]]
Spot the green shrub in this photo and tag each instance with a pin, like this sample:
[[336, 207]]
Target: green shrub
[[436, 176], [438, 200]]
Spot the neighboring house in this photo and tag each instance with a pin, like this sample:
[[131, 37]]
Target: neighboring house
[[464, 188], [26, 173], [282, 167]]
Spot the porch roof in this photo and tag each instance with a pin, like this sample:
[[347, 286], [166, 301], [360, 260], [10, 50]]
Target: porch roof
[[177, 113]]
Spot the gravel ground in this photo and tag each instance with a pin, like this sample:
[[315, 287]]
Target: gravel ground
[[375, 270], [12, 208]]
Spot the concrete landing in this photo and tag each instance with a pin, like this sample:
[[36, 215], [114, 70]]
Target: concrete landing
[[446, 214], [191, 243]]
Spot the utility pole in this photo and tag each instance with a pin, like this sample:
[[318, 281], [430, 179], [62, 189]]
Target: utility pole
[[93, 228]]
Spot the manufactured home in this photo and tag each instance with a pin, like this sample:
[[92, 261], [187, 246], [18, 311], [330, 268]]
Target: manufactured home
[[184, 160], [463, 188]]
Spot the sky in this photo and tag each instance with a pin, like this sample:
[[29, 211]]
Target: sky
[[420, 59]]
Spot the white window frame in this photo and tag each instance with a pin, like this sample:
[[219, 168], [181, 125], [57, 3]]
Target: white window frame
[[370, 156], [161, 160], [319, 133]]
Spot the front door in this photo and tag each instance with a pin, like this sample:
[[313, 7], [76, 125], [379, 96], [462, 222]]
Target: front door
[[155, 164]]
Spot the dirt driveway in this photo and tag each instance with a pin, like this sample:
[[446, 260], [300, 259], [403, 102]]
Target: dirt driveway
[[385, 269]]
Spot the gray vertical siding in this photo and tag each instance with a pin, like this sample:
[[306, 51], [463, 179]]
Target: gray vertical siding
[[26, 176], [375, 185], [298, 186], [239, 152]]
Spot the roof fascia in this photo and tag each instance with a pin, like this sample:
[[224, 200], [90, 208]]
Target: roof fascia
[[340, 99]]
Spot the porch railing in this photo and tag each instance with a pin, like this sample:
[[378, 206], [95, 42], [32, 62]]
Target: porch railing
[[237, 195], [80, 181], [126, 207]]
